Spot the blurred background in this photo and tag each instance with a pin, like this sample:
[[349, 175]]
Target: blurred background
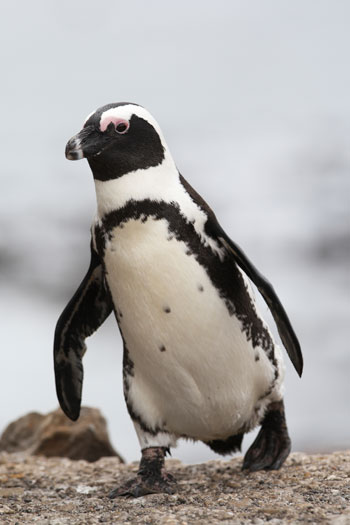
[[254, 101]]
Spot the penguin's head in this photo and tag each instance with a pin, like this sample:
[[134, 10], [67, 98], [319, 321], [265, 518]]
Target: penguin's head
[[117, 139]]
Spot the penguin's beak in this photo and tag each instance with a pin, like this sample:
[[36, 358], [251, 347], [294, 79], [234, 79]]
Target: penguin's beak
[[86, 144], [74, 150]]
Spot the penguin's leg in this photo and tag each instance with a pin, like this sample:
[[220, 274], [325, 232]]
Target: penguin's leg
[[272, 445], [152, 478]]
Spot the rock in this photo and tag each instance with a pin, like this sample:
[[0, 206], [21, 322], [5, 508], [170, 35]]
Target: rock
[[54, 434], [19, 434]]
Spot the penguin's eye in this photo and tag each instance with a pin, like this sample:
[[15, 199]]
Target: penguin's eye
[[122, 126], [114, 123]]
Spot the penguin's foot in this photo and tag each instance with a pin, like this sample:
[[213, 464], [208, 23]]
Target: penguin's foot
[[151, 478], [272, 445]]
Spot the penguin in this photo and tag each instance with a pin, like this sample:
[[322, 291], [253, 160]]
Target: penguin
[[199, 361]]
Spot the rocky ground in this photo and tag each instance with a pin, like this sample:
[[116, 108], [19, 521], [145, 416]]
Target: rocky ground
[[54, 491]]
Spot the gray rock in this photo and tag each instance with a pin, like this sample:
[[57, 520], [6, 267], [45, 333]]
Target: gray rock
[[54, 434]]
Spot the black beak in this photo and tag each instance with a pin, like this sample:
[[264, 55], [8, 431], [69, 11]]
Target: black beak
[[87, 143], [74, 151]]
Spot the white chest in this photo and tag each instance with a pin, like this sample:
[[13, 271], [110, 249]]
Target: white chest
[[195, 373]]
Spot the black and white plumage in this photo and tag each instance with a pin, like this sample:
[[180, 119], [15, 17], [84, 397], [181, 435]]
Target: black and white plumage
[[199, 360]]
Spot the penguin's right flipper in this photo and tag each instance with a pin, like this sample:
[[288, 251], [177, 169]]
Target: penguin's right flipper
[[86, 311]]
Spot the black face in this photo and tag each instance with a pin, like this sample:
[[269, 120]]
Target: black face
[[115, 146]]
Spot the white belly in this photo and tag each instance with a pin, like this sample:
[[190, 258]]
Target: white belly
[[195, 373]]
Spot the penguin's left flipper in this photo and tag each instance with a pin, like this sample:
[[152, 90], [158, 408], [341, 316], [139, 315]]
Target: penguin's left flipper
[[285, 329], [272, 445], [86, 311]]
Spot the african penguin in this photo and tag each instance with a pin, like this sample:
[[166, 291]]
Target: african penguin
[[199, 361]]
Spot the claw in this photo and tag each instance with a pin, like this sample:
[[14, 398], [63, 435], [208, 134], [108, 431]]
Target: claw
[[137, 487]]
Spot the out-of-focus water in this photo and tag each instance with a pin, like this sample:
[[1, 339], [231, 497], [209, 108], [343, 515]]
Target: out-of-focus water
[[253, 101]]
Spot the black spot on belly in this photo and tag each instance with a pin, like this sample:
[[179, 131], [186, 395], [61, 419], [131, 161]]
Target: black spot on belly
[[257, 357], [166, 309], [162, 348], [188, 252], [200, 288]]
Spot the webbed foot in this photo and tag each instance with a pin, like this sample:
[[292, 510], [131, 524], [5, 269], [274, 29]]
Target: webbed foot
[[151, 478], [272, 445]]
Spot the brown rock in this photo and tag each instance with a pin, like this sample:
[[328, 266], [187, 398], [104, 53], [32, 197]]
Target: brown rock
[[19, 434], [54, 434]]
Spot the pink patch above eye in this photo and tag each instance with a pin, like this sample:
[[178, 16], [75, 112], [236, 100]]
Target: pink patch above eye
[[106, 121]]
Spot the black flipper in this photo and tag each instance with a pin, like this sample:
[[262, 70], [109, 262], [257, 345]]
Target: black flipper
[[86, 311], [285, 329]]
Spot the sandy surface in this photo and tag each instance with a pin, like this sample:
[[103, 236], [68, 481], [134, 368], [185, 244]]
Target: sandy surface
[[308, 489]]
